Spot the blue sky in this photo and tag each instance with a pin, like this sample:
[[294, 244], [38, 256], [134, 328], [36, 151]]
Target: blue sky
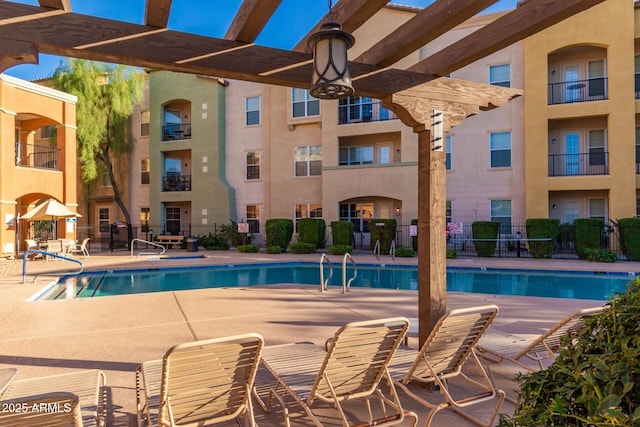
[[292, 20]]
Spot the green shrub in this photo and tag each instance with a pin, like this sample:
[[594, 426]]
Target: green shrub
[[485, 230], [250, 248], [213, 242], [405, 252], [542, 228], [589, 233], [383, 230], [273, 250], [599, 255], [340, 249], [232, 236], [629, 229], [312, 230], [302, 248], [342, 232], [594, 380], [278, 232], [452, 254]]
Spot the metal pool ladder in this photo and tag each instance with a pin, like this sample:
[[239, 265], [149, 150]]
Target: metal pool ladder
[[157, 254], [346, 284], [25, 257]]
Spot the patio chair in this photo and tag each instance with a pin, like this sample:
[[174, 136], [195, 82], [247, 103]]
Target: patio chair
[[54, 247], [201, 382], [497, 346], [352, 368], [81, 248], [62, 410], [441, 359], [88, 385], [32, 244]]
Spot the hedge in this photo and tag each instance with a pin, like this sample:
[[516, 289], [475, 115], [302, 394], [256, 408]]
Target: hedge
[[342, 232], [485, 230], [278, 232], [312, 230], [629, 229], [588, 234], [542, 228], [383, 230]]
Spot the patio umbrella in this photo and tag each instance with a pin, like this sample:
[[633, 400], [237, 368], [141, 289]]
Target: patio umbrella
[[49, 209]]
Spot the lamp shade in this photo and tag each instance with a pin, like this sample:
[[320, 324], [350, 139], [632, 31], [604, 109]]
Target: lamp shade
[[331, 78]]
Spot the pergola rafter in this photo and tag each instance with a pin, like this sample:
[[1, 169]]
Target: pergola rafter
[[413, 93]]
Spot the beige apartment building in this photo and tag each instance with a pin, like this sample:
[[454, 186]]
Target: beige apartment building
[[564, 150]]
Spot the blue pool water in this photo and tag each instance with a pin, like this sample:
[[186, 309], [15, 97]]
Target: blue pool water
[[489, 281]]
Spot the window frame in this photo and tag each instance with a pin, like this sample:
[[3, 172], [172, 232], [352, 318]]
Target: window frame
[[505, 220], [145, 122], [297, 160], [597, 155], [252, 166], [252, 213], [104, 222], [308, 102], [145, 171], [499, 82], [448, 152], [250, 110], [494, 161]]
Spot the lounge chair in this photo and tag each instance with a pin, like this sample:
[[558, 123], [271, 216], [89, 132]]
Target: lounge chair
[[57, 409], [353, 367], [497, 346], [32, 244], [81, 248], [200, 383], [87, 385], [441, 359]]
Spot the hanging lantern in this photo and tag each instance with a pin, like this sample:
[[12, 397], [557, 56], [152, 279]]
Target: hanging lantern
[[331, 78]]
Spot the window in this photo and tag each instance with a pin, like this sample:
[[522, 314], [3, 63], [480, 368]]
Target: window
[[48, 132], [308, 160], [359, 214], [106, 179], [447, 161], [356, 156], [597, 147], [307, 210], [598, 209], [448, 212], [172, 218], [384, 154], [637, 69], [172, 124], [596, 70], [501, 212], [144, 171], [144, 220], [637, 149], [145, 119], [252, 108], [253, 165], [303, 104], [500, 149], [253, 218], [104, 219], [500, 75]]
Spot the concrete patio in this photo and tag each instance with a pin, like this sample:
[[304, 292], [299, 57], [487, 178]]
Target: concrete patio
[[115, 334]]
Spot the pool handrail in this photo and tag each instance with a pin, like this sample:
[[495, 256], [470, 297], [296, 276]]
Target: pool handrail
[[25, 257], [148, 243], [324, 283], [346, 286], [392, 249], [376, 249]]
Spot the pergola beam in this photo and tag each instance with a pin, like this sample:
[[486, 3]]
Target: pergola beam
[[527, 19], [56, 4], [156, 13], [351, 15], [251, 19], [428, 24]]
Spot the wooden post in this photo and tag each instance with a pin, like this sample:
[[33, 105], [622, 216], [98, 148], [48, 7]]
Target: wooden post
[[432, 267]]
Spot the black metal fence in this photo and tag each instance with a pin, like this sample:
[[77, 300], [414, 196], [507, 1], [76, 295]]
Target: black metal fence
[[511, 243]]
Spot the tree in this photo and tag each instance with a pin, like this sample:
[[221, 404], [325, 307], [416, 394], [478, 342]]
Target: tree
[[107, 95]]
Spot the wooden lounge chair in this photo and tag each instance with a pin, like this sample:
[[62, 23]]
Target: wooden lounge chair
[[87, 385], [497, 346], [353, 367], [200, 383], [58, 409], [441, 359]]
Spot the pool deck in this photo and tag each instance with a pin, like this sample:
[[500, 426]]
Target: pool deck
[[115, 334]]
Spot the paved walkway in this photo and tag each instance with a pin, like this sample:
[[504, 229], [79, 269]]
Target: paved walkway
[[115, 334]]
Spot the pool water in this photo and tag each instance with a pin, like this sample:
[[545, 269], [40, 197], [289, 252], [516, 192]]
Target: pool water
[[487, 281]]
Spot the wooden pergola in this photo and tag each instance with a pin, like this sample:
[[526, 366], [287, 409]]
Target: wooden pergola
[[414, 93]]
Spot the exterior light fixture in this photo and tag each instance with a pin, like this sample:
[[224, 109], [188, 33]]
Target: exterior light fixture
[[397, 211], [331, 79]]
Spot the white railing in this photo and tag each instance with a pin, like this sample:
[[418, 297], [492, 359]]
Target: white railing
[[324, 283], [162, 248], [346, 286]]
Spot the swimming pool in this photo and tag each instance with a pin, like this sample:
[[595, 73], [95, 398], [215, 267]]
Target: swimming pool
[[459, 279]]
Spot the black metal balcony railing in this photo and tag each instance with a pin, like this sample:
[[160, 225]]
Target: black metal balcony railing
[[173, 131], [176, 183], [578, 91], [364, 112], [595, 163], [36, 156]]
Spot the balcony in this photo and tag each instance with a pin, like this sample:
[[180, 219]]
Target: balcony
[[363, 110], [578, 91], [36, 156], [175, 131], [176, 183], [596, 163]]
